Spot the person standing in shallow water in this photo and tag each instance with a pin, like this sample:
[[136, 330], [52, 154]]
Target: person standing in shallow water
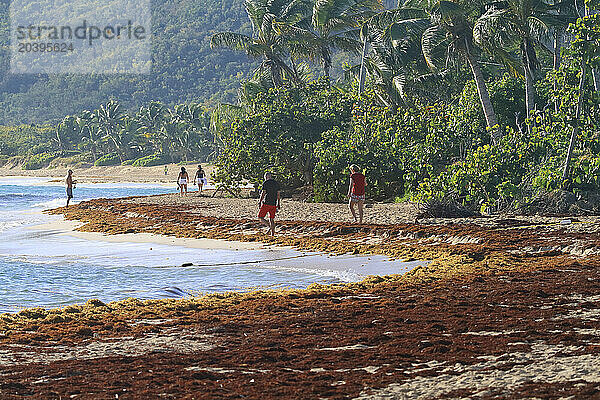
[[270, 202], [70, 185], [356, 192], [182, 181]]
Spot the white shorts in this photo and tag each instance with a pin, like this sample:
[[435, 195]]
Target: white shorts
[[183, 181]]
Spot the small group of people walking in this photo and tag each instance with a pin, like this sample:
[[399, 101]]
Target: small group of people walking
[[270, 198], [183, 178]]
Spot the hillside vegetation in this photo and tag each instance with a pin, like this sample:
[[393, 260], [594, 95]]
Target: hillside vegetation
[[184, 67], [472, 106]]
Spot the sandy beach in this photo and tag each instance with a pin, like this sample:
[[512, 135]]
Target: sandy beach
[[114, 174], [506, 307], [71, 228]]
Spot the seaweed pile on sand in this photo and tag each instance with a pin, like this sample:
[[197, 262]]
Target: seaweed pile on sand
[[511, 309]]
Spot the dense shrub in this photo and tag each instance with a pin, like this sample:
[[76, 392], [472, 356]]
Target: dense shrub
[[278, 132], [396, 150], [507, 98], [38, 161], [519, 168], [108, 160], [149, 161]]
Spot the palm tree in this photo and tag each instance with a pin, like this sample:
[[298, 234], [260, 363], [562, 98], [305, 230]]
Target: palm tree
[[110, 117], [451, 35], [373, 30], [395, 62], [151, 119], [335, 25], [521, 24], [88, 129], [267, 42], [67, 133], [191, 123]]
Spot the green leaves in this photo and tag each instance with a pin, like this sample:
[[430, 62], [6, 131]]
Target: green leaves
[[277, 133], [235, 41]]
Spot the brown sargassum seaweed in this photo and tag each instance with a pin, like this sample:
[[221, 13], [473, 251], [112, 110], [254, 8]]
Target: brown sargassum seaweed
[[487, 300]]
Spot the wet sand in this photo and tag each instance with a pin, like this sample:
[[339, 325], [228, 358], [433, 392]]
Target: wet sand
[[508, 307], [71, 228]]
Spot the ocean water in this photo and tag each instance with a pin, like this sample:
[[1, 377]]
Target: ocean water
[[50, 268]]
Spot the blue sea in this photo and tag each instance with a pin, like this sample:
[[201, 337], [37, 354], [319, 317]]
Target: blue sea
[[51, 268]]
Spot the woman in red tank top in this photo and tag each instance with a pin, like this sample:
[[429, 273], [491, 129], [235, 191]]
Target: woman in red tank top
[[356, 193]]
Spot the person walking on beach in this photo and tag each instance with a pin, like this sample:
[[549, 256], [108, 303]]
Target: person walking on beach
[[70, 185], [270, 202], [166, 170], [356, 192], [182, 181], [199, 179]]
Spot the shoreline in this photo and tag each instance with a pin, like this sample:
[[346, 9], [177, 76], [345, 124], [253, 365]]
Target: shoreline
[[508, 307], [344, 268], [70, 228], [109, 174]]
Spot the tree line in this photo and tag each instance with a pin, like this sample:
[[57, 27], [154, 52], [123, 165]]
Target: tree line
[[485, 103], [110, 135], [405, 52]]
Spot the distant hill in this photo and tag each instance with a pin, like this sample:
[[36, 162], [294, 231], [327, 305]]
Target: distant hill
[[185, 68]]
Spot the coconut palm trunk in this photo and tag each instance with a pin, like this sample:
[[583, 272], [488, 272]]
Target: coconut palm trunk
[[529, 91], [595, 71], [484, 96], [576, 128], [326, 64], [558, 38], [578, 111], [117, 148], [526, 48], [363, 69]]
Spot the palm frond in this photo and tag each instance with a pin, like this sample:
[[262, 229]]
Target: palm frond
[[434, 44], [495, 28], [384, 19], [539, 27], [232, 40], [347, 44]]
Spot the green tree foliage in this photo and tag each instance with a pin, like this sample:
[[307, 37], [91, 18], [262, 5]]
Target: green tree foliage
[[277, 133], [111, 136], [521, 24], [397, 151], [267, 42], [335, 25], [26, 140]]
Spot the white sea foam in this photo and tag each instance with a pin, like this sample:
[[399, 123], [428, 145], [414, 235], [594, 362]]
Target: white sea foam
[[4, 225], [341, 275], [55, 203]]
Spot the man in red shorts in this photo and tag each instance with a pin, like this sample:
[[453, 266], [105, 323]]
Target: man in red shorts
[[270, 202]]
